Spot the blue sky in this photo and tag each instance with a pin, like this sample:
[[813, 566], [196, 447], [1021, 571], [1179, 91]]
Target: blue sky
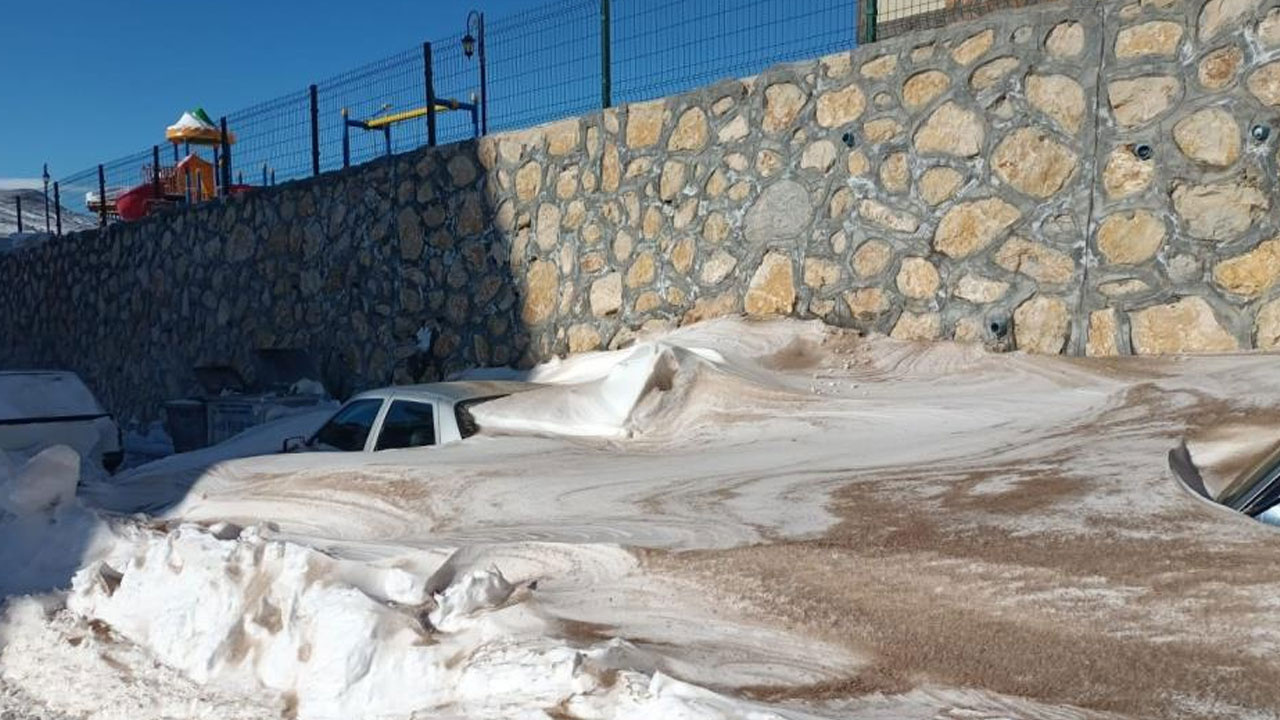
[[91, 82]]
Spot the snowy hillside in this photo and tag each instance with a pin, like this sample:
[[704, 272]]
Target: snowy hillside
[[33, 214]]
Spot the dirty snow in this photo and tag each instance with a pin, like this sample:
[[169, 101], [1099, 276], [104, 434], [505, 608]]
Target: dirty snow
[[764, 520]]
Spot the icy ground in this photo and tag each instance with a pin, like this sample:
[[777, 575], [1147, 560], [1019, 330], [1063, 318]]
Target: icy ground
[[761, 520]]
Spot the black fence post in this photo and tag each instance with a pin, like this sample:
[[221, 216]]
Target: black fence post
[[57, 208], [346, 141], [606, 56], [17, 201], [46, 198], [429, 78], [102, 196], [315, 131], [484, 84], [867, 15], [155, 172], [226, 157]]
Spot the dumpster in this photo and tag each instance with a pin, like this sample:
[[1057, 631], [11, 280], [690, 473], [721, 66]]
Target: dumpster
[[226, 405], [186, 423]]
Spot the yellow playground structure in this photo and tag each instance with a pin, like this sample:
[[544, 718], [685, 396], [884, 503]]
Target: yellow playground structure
[[384, 123]]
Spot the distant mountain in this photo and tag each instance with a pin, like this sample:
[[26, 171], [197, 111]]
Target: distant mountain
[[33, 214]]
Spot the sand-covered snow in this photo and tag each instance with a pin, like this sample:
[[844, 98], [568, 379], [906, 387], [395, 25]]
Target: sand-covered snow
[[733, 520]]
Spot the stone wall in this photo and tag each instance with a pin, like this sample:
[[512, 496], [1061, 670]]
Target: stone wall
[[1079, 178], [1182, 255]]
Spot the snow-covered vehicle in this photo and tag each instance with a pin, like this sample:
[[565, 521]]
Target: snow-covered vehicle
[[1254, 492], [42, 408], [405, 416]]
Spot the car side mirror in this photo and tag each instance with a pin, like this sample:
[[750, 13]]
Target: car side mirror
[[293, 444]]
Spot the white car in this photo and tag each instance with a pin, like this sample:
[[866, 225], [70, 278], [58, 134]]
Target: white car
[[41, 408], [405, 416]]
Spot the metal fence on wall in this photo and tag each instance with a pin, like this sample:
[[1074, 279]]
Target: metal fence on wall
[[554, 61]]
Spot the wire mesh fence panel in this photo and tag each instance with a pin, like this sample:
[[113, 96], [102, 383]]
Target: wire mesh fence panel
[[272, 140], [77, 193], [393, 85], [126, 173], [895, 17], [457, 81], [668, 46], [544, 64]]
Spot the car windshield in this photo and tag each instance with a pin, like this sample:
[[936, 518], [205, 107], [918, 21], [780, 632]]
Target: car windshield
[[349, 428]]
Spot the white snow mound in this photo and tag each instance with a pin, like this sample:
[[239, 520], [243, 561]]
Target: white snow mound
[[647, 388], [45, 533], [247, 613]]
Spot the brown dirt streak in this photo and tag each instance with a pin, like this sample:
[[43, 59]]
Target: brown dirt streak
[[892, 579]]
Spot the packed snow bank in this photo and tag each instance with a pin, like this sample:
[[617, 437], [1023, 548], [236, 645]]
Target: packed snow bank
[[42, 484], [163, 482], [145, 443], [647, 387], [45, 533], [232, 607], [264, 439]]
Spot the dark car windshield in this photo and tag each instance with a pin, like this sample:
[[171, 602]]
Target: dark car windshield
[[349, 428]]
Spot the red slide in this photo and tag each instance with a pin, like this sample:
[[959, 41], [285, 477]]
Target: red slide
[[134, 204]]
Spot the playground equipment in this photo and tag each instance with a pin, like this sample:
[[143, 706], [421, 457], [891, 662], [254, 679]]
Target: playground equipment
[[103, 203], [384, 122], [191, 179], [196, 128]]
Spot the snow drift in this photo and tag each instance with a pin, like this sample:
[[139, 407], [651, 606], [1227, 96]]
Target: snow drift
[[648, 389], [45, 532], [229, 606]]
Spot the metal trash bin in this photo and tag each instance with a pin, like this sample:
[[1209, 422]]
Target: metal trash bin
[[225, 405], [187, 424]]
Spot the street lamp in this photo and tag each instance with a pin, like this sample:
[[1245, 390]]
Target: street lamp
[[46, 198], [469, 42]]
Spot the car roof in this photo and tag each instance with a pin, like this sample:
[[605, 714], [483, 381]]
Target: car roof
[[64, 373], [448, 391]]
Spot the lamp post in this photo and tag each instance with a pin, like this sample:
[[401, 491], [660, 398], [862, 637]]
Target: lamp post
[[469, 42], [46, 198]]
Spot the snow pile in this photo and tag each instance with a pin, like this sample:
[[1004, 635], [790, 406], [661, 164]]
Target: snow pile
[[307, 386], [648, 387], [46, 481], [157, 484], [147, 442], [45, 533], [244, 611], [475, 591]]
